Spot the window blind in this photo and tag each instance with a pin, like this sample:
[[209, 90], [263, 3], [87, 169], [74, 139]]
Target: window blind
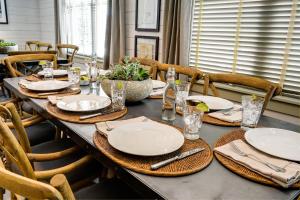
[[85, 22], [253, 37]]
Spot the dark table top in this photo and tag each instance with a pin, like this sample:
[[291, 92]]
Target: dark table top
[[214, 182]]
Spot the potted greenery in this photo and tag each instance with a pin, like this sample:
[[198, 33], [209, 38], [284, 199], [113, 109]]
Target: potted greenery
[[139, 84], [7, 46]]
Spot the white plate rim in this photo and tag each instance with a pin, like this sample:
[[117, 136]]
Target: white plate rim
[[162, 84], [64, 84], [65, 73], [194, 99], [180, 135], [59, 103], [249, 139]]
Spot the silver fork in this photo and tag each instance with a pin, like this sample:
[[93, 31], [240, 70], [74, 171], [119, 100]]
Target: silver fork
[[241, 153]]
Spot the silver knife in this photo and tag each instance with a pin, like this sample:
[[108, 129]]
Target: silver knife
[[98, 114], [179, 157]]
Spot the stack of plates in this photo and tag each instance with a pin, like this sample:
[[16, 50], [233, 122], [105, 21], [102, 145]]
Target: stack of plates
[[277, 142], [213, 103], [83, 103], [146, 138]]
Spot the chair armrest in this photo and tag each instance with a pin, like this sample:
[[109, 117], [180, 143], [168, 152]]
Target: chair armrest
[[47, 174], [28, 121], [38, 157], [61, 183], [12, 100]]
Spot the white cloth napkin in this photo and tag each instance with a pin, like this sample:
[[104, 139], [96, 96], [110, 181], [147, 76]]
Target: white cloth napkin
[[285, 179], [102, 126], [157, 92], [54, 99], [233, 115], [24, 83]]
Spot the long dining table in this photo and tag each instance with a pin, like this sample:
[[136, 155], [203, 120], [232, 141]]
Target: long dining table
[[213, 182]]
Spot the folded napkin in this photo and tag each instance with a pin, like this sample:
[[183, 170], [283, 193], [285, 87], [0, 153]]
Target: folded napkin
[[233, 115], [157, 92], [285, 179], [24, 83], [102, 126], [54, 99]]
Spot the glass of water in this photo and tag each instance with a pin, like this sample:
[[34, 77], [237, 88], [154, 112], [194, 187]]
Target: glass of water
[[182, 92], [192, 118], [74, 77], [48, 70], [118, 94], [252, 108]]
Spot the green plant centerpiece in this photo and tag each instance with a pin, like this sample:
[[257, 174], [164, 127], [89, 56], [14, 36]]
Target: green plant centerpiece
[[138, 82], [7, 46]]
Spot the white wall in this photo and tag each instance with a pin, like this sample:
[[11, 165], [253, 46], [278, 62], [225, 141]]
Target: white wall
[[131, 32], [29, 20]]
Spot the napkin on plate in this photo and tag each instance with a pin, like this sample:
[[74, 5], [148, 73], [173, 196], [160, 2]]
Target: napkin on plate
[[24, 83], [102, 126], [157, 92], [233, 115], [285, 179], [54, 99]]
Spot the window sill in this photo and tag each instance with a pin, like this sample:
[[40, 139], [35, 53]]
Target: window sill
[[282, 104]]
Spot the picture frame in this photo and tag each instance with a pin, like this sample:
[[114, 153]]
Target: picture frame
[[3, 12], [146, 47], [147, 15]]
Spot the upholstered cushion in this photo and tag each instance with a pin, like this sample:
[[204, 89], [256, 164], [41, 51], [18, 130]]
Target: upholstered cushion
[[59, 145], [41, 132], [110, 189]]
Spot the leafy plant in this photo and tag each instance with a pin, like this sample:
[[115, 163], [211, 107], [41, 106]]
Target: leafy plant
[[128, 71], [6, 44]]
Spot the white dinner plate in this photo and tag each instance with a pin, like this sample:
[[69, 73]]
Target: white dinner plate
[[213, 103], [48, 85], [56, 73], [158, 84], [277, 142], [146, 138], [83, 103]]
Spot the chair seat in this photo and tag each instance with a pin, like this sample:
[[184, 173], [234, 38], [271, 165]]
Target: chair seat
[[110, 189], [58, 145], [41, 132], [27, 107]]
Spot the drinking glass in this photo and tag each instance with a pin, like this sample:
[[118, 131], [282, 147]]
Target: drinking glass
[[48, 70], [118, 94], [192, 118], [182, 92], [74, 77], [251, 111]]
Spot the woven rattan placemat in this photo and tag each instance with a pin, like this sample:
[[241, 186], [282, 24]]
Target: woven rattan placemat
[[74, 117], [237, 168], [38, 78], [188, 165], [32, 94]]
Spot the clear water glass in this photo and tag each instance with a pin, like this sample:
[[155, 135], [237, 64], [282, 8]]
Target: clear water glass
[[182, 92], [251, 111], [48, 71], [74, 77], [192, 119], [118, 94]]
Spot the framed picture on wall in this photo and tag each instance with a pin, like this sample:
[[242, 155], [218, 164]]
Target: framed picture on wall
[[146, 47], [147, 15], [3, 12]]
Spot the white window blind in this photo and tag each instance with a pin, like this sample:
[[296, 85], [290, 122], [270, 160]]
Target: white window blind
[[85, 22], [254, 37]]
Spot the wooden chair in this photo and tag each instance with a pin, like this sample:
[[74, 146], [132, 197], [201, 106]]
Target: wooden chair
[[271, 89], [47, 159], [12, 61], [59, 188], [74, 49], [37, 45], [193, 74], [15, 53]]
